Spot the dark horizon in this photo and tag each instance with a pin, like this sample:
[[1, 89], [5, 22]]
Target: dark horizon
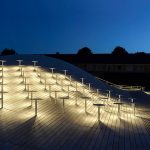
[[65, 53]]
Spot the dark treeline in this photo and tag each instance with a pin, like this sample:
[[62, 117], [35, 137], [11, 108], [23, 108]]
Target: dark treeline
[[118, 50], [8, 51]]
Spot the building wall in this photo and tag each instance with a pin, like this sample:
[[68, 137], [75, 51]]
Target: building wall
[[139, 68]]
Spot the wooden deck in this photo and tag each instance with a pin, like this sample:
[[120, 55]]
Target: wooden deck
[[74, 129]]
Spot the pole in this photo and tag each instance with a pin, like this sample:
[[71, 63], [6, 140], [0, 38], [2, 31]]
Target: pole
[[35, 107]]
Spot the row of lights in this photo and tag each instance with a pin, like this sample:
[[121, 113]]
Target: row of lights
[[99, 105]]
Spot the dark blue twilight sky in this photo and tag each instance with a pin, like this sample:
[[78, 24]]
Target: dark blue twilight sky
[[48, 26]]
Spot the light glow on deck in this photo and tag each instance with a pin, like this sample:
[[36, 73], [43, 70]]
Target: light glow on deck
[[44, 84]]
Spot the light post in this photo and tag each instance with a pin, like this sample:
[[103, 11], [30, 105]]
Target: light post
[[119, 98], [34, 64], [82, 80], [132, 105], [65, 73], [52, 71], [70, 79], [76, 86], [89, 86], [19, 63]]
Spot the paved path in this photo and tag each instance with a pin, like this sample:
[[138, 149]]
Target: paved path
[[73, 130]]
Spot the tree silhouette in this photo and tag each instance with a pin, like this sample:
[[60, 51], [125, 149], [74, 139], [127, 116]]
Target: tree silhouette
[[119, 51], [84, 51], [8, 51]]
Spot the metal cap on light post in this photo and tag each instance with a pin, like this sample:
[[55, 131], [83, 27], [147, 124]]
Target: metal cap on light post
[[89, 86], [109, 94], [65, 72], [34, 64], [19, 62], [82, 80], [132, 99], [132, 105], [2, 62], [52, 71], [119, 97]]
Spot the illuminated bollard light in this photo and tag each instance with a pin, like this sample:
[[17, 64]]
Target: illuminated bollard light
[[104, 100], [38, 70], [2, 62], [92, 93], [85, 102], [19, 63], [21, 69], [28, 89], [98, 112], [50, 89], [65, 73], [76, 99], [63, 102], [132, 105], [89, 86], [56, 96], [82, 80], [56, 78], [97, 92], [83, 89], [70, 79], [2, 98], [109, 95], [45, 83], [76, 84], [25, 83], [40, 76], [68, 91], [34, 64], [2, 94], [2, 65], [23, 75], [36, 106], [119, 105], [62, 84], [2, 84], [32, 91], [52, 71], [119, 97]]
